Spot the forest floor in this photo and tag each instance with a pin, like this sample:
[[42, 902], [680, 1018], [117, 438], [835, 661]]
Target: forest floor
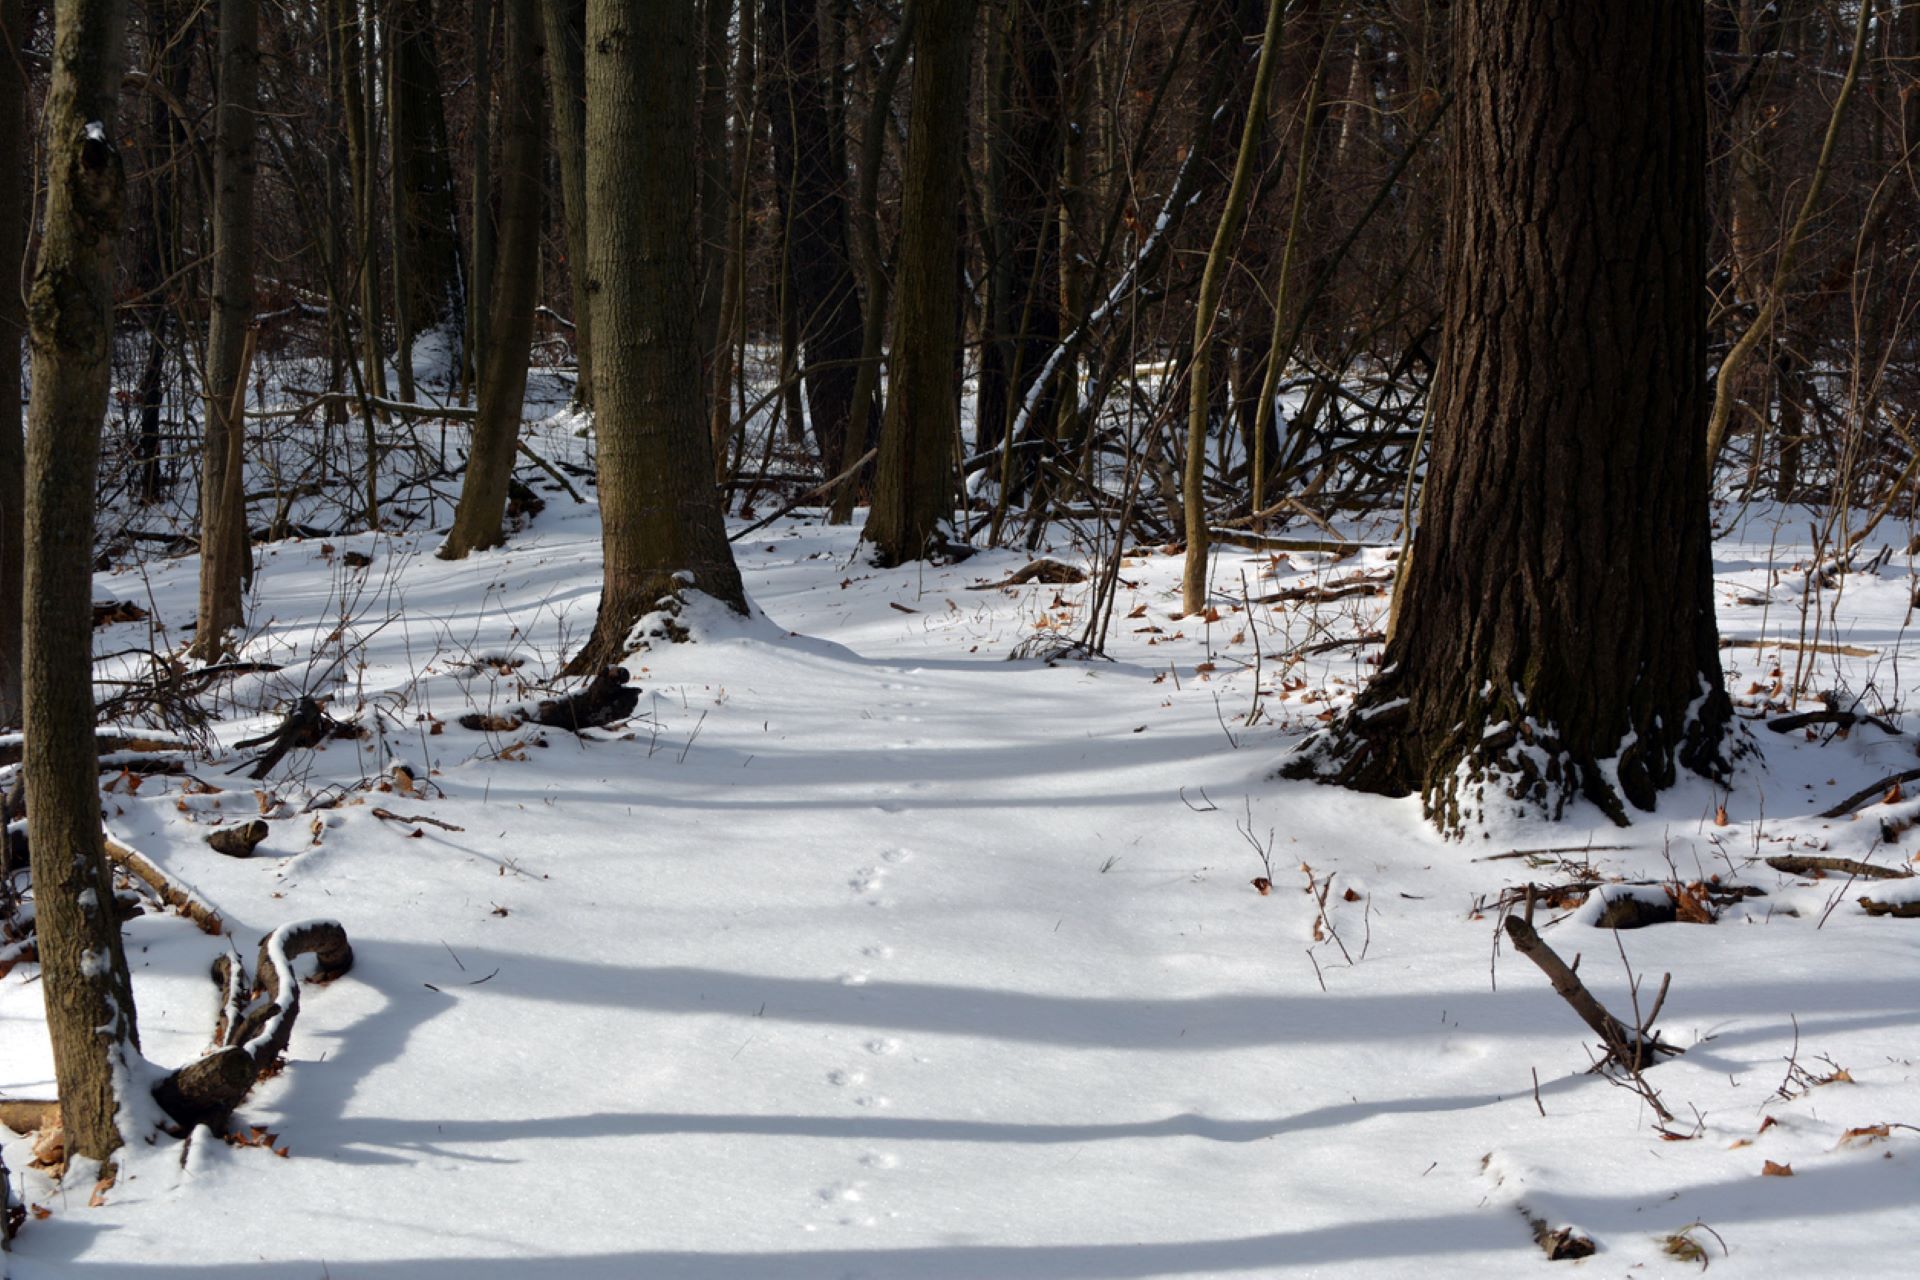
[[863, 951]]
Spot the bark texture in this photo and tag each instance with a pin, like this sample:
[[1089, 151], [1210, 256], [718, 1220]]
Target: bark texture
[[90, 1015], [661, 524], [13, 323], [223, 514], [1555, 635], [503, 366], [913, 477]]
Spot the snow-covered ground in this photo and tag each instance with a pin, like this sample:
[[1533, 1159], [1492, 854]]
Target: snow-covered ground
[[864, 952]]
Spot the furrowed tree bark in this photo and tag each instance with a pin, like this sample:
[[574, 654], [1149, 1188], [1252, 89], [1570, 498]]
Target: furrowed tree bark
[[913, 478], [13, 325], [503, 366], [1193, 580], [1555, 636], [90, 1013], [661, 525], [564, 21], [811, 189], [224, 550]]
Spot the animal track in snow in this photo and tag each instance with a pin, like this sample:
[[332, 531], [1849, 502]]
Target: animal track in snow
[[845, 1078], [883, 1047]]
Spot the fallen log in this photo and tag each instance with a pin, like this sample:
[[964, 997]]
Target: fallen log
[[1042, 570], [1898, 910], [25, 1115]]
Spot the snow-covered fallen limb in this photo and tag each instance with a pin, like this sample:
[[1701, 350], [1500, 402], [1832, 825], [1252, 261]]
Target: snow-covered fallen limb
[[207, 1090]]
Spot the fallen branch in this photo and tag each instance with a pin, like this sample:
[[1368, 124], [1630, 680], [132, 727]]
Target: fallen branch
[[1791, 646], [818, 491], [175, 894], [1629, 1047], [1845, 719], [1898, 910], [388, 816], [1874, 792], [1799, 864]]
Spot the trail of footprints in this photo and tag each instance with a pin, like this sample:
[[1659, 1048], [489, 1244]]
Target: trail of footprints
[[846, 1202]]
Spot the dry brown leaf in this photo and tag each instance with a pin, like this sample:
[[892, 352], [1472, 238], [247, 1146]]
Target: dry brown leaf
[[1773, 1170], [1264, 885], [1720, 816], [1865, 1133]]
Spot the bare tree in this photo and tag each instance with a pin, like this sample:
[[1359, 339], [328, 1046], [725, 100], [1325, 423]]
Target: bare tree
[[509, 330], [225, 554], [913, 478], [89, 996], [662, 528]]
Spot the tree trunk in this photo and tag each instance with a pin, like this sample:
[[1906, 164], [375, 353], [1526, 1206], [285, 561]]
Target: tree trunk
[[661, 524], [503, 366], [1193, 582], [716, 186], [344, 31], [172, 27], [913, 480], [813, 207], [13, 323], [1555, 636], [427, 285], [1027, 146], [566, 73], [89, 996], [480, 297], [224, 549]]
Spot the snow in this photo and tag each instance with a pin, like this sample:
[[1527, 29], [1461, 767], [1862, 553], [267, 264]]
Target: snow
[[864, 952]]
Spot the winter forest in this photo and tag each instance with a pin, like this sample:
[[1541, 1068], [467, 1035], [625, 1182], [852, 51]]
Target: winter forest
[[959, 639]]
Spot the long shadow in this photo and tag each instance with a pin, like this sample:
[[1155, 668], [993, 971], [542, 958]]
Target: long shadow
[[1187, 1025], [1863, 1186], [436, 1136]]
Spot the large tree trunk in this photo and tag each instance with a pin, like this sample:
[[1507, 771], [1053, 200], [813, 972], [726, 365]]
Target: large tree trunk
[[566, 73], [1555, 633], [662, 529], [224, 549], [503, 366], [913, 481], [89, 996], [13, 323], [813, 206]]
